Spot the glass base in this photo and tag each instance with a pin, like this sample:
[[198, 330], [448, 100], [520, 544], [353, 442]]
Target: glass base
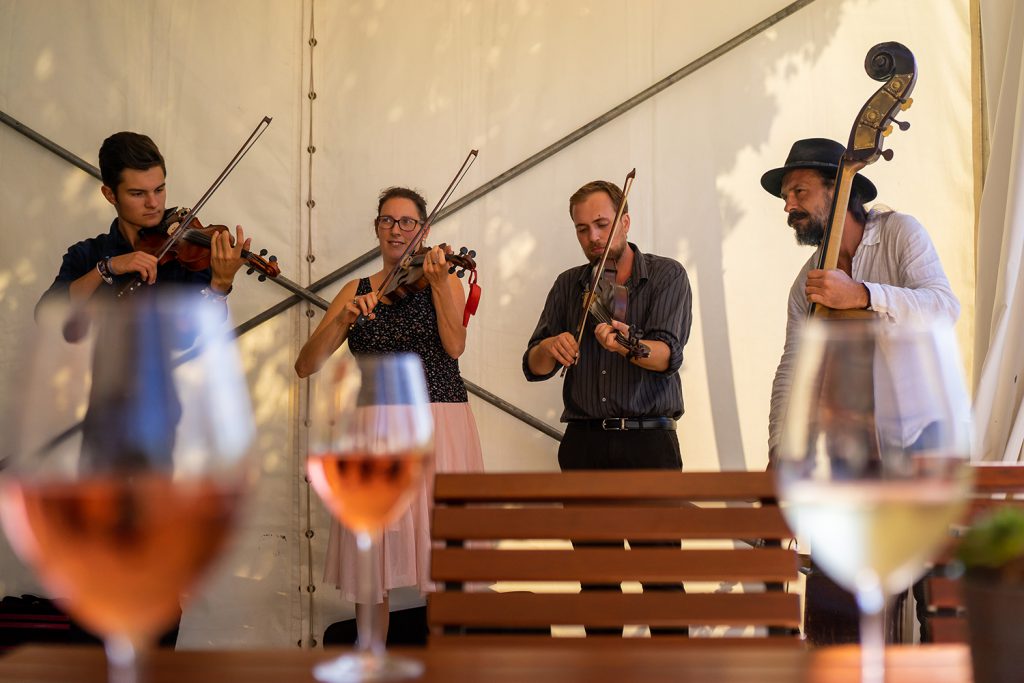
[[364, 666]]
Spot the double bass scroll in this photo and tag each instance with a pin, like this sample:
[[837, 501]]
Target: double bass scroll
[[894, 64]]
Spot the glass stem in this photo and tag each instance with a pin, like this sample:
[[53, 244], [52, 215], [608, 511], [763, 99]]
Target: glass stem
[[124, 659], [871, 601], [369, 642]]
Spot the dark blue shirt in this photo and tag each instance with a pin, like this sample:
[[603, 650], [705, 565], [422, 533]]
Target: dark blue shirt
[[83, 256], [604, 384]]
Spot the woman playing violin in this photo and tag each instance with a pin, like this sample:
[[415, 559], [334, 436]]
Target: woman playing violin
[[133, 172], [427, 322]]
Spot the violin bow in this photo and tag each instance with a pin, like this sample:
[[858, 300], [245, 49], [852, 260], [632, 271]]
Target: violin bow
[[589, 300], [183, 223], [421, 234]]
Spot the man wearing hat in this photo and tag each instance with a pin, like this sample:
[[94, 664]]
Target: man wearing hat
[[887, 264]]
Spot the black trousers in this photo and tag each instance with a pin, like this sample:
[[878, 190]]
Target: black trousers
[[588, 448]]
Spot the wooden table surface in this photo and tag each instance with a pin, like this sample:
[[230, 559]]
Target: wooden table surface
[[454, 664]]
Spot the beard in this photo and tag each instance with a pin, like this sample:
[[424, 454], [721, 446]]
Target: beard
[[809, 232], [614, 253]]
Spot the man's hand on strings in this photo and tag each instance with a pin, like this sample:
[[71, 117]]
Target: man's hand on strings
[[605, 335], [226, 257]]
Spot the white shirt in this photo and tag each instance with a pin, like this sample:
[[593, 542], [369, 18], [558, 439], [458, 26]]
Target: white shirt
[[898, 264]]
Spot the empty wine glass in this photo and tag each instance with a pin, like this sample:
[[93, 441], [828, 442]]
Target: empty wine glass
[[372, 432], [128, 460], [873, 460]]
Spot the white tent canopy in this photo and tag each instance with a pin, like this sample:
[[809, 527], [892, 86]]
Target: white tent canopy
[[396, 92]]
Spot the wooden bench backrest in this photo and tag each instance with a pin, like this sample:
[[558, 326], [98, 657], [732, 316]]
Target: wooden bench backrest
[[994, 486], [476, 516]]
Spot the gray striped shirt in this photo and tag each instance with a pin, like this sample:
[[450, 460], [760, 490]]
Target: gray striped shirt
[[604, 384]]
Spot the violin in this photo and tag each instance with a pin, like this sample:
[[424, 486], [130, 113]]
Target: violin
[[893, 63], [410, 278], [192, 248], [610, 304]]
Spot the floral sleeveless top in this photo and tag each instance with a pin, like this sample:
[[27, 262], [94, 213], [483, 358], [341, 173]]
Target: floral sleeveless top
[[410, 326]]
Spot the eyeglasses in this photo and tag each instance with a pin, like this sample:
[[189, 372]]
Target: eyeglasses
[[405, 223]]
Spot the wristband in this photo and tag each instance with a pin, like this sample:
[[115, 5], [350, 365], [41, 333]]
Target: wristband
[[103, 267]]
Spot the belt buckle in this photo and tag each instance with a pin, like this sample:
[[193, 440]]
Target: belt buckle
[[613, 424]]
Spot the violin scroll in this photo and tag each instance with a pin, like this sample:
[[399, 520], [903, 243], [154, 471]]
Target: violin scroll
[[461, 262]]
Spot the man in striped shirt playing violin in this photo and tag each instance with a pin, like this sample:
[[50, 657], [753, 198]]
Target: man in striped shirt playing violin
[[620, 408]]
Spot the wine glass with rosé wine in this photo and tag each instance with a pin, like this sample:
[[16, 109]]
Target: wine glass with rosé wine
[[371, 438], [129, 458], [873, 468]]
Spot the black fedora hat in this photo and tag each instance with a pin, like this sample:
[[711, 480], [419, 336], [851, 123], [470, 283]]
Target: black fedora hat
[[819, 153]]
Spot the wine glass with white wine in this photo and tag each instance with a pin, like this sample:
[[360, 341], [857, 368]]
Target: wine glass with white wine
[[129, 457], [372, 434], [873, 465]]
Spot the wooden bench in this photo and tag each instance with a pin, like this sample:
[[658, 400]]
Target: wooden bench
[[482, 524], [994, 486]]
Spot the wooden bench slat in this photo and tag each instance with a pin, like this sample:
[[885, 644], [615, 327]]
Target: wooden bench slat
[[608, 523], [530, 610], [948, 629], [944, 593], [604, 565], [998, 478], [604, 485]]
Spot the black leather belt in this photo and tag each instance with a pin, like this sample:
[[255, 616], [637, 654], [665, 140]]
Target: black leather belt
[[622, 424]]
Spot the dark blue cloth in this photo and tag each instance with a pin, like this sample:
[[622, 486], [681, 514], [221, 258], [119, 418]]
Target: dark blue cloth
[[83, 256]]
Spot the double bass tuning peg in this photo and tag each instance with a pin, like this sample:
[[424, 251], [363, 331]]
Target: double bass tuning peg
[[472, 253], [462, 251], [887, 154], [888, 129]]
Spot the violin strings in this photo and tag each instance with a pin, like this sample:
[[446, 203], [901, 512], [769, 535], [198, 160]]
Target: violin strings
[[202, 239], [601, 315]]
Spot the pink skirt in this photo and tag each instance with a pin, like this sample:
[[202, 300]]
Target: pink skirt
[[403, 553]]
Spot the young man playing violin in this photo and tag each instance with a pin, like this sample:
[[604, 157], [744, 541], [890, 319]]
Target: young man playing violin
[[620, 409], [887, 264], [133, 173]]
